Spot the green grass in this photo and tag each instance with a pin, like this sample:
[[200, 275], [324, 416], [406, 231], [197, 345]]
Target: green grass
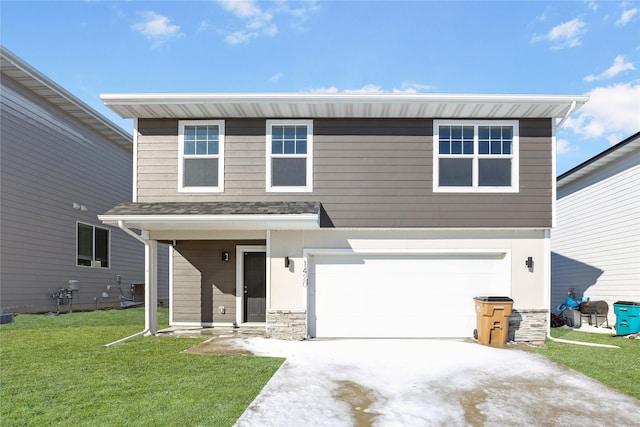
[[617, 368], [56, 371]]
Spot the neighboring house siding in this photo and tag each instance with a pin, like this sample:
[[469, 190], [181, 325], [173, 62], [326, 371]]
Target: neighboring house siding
[[596, 245], [367, 173], [50, 161], [203, 282]]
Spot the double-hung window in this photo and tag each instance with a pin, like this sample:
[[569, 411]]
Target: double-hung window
[[289, 156], [92, 246], [201, 156], [477, 156]]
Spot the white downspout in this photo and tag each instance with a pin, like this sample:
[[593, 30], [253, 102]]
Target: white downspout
[[572, 108], [151, 290]]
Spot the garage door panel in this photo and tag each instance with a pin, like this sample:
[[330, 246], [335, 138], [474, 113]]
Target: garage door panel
[[401, 296]]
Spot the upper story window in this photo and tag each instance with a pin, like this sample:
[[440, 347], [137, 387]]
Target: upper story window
[[477, 156], [201, 156], [92, 246], [289, 155]]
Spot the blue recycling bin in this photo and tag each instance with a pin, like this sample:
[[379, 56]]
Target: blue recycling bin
[[627, 317]]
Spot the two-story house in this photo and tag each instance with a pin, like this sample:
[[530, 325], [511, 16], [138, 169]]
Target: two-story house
[[61, 164], [346, 215]]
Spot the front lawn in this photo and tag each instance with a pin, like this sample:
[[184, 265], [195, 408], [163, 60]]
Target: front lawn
[[617, 368], [56, 371]]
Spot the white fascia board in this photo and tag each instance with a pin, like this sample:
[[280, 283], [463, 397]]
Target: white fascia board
[[216, 222], [275, 98]]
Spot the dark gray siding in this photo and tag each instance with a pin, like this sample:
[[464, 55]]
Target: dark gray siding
[[367, 173], [49, 161], [203, 282]]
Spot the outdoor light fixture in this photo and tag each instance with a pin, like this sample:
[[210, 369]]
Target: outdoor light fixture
[[225, 256], [287, 262], [529, 263]]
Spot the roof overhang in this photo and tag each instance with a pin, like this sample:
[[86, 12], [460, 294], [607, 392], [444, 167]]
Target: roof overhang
[[340, 105], [617, 152], [30, 78], [215, 216]]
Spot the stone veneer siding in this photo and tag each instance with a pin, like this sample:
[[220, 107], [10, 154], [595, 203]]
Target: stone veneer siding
[[287, 324], [528, 326], [524, 325]]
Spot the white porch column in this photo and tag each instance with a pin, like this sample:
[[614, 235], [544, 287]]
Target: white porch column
[[151, 285]]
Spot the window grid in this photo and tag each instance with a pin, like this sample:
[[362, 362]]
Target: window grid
[[201, 140], [201, 156], [289, 151], [288, 140], [479, 143]]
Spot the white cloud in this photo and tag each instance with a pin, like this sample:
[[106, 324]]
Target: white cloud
[[619, 65], [405, 87], [330, 89], [370, 88], [412, 87], [611, 112], [563, 146], [627, 16], [277, 76], [258, 22], [564, 35], [156, 27]]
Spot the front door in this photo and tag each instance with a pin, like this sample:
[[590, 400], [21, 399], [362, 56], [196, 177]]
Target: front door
[[255, 287]]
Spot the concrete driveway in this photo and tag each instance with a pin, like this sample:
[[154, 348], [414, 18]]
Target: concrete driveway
[[426, 383]]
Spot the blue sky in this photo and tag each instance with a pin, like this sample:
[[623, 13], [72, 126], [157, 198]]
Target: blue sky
[[529, 47]]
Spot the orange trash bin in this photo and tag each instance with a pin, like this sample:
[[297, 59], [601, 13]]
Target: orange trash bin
[[492, 319]]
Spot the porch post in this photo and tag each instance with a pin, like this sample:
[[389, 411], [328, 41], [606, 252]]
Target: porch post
[[151, 285]]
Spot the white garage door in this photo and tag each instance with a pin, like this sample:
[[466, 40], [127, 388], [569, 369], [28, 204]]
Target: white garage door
[[401, 296]]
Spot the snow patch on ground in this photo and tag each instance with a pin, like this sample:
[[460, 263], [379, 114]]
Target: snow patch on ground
[[426, 382]]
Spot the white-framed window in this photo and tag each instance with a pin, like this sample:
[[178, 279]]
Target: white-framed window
[[476, 156], [201, 156], [93, 246], [289, 166]]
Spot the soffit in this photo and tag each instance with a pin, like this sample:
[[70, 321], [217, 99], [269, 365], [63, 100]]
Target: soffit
[[28, 77], [342, 105], [615, 153]]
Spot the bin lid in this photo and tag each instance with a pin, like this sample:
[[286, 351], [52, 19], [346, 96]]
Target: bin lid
[[493, 299], [626, 303]]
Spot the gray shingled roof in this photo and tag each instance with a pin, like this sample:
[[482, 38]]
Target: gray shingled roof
[[216, 208]]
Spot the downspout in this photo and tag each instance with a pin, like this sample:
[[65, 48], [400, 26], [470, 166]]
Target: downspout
[[572, 108], [548, 289], [147, 247]]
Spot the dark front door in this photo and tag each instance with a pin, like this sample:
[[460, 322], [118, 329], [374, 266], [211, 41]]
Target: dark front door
[[255, 287]]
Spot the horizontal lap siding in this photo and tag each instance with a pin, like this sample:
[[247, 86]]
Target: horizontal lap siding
[[50, 160], [596, 245], [203, 282], [367, 173]]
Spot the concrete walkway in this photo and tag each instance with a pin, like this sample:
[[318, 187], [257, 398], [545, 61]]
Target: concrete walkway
[[426, 383]]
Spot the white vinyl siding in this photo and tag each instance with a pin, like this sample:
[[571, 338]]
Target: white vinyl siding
[[596, 244]]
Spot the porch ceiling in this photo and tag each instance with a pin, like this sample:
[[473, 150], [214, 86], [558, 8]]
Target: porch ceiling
[[215, 216]]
